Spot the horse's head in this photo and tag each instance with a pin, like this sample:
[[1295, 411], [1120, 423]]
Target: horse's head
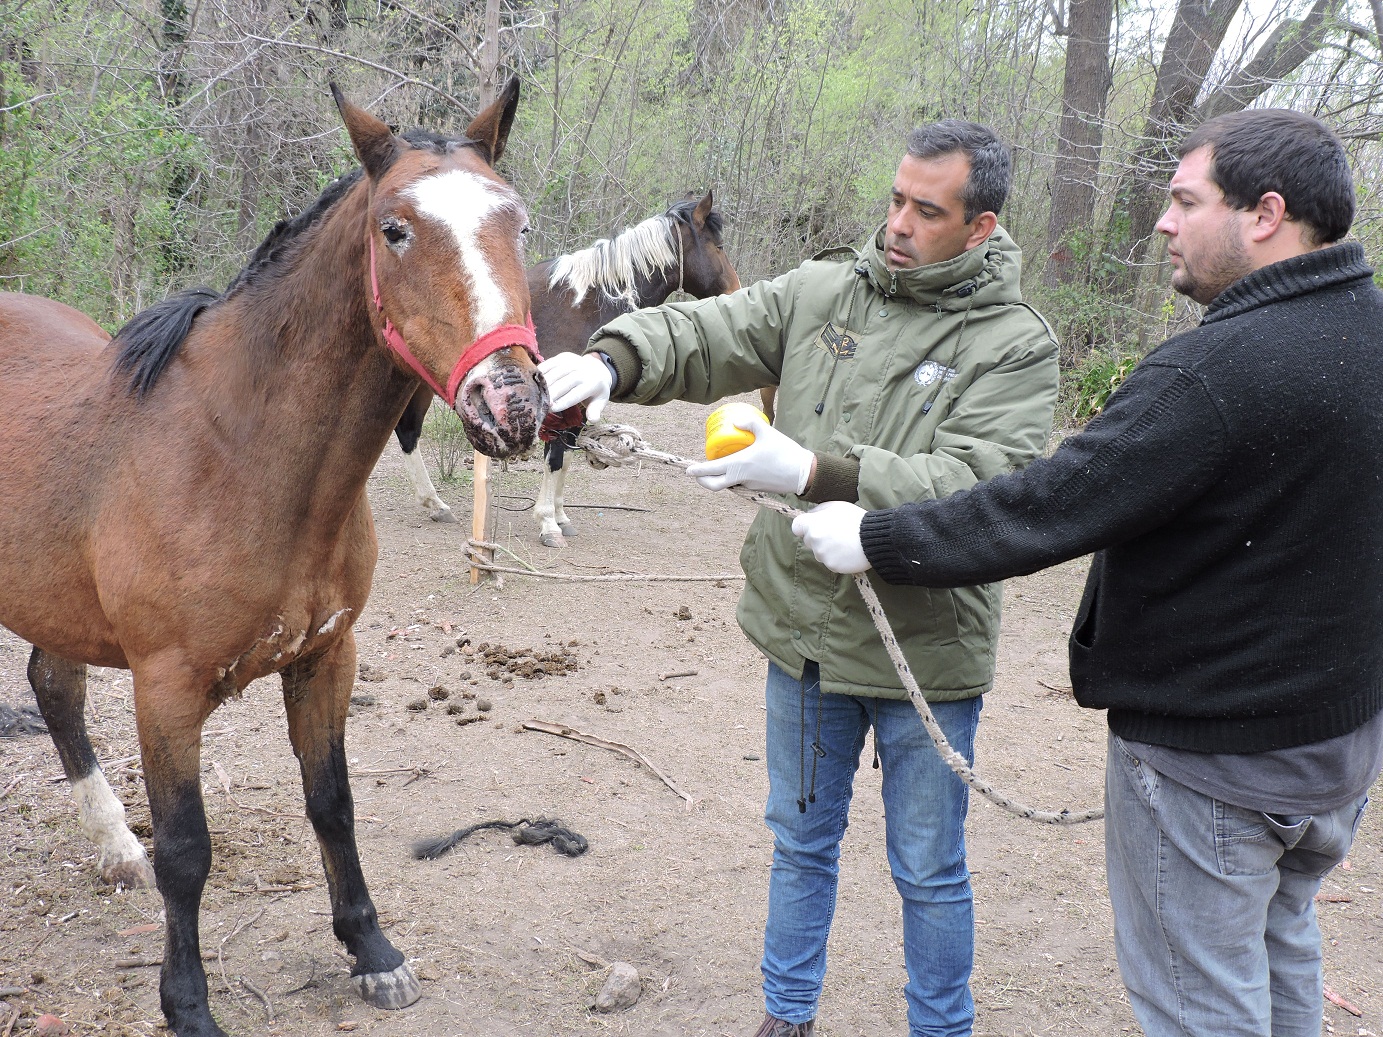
[[706, 269], [445, 235]]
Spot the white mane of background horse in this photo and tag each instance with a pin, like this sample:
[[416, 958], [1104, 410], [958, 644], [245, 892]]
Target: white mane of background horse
[[614, 265]]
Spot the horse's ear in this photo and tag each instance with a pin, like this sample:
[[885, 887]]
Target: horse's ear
[[490, 129], [702, 211], [373, 140]]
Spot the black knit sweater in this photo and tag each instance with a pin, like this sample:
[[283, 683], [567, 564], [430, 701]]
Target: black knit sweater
[[1233, 492]]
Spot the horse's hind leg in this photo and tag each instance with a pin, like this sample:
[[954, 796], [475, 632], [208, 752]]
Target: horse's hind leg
[[317, 694], [60, 686], [409, 430]]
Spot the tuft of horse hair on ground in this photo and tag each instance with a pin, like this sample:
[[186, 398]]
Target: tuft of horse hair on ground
[[525, 832]]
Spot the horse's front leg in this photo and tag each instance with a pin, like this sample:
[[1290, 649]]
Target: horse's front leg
[[170, 708], [554, 456], [409, 431], [317, 693]]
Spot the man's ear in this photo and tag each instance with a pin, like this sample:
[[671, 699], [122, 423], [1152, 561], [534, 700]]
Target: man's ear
[[981, 229], [1267, 217]]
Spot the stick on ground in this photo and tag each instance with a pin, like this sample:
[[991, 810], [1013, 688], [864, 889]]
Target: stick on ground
[[562, 731]]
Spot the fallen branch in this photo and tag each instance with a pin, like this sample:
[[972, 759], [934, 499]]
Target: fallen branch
[[268, 1005], [144, 963], [11, 786], [1334, 898], [13, 991], [1339, 1002], [677, 673], [562, 731], [9, 1026]]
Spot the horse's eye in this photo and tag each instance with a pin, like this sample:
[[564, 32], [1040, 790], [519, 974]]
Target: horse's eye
[[526, 229], [394, 231]]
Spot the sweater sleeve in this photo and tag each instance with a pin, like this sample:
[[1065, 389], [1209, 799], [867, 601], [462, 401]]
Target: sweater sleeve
[[1159, 443], [700, 351]]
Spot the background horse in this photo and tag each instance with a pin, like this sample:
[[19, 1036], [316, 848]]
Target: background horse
[[277, 396], [679, 250]]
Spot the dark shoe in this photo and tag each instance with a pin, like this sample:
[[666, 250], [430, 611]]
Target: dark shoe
[[774, 1027]]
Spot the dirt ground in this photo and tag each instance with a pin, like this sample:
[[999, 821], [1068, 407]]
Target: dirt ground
[[516, 939]]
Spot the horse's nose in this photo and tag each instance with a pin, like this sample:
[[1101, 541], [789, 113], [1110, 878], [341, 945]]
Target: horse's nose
[[501, 406]]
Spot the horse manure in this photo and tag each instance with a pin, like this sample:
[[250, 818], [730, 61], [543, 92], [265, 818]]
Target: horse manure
[[484, 705], [418, 705], [370, 674], [599, 698], [465, 675], [462, 642], [438, 692], [684, 613], [448, 650], [363, 699], [454, 708], [471, 719]]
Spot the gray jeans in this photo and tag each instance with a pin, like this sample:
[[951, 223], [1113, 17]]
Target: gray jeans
[[1214, 912]]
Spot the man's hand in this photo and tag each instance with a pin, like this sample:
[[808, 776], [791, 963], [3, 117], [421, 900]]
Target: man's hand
[[831, 531], [773, 463], [577, 378]]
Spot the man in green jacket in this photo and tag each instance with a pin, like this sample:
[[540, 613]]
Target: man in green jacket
[[906, 371]]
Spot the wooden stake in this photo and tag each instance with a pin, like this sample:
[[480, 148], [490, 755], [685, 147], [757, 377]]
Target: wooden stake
[[480, 513]]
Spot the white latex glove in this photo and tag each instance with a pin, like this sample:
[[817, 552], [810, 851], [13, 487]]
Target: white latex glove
[[831, 531], [574, 378], [773, 463]]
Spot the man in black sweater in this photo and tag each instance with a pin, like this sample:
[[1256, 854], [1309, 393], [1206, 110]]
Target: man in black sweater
[[1232, 623]]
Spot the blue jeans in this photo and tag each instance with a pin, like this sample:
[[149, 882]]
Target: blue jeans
[[1214, 911], [924, 816]]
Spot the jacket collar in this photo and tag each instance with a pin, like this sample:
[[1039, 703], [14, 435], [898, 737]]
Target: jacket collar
[[984, 275], [1323, 268]]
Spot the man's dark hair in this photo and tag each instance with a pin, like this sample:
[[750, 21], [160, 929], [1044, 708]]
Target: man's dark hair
[[991, 166], [1275, 149]]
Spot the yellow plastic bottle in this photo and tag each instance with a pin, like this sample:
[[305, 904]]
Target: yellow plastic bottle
[[722, 437]]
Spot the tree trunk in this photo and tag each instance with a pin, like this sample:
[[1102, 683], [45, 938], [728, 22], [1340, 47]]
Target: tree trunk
[[1282, 53], [1084, 96], [489, 63], [1197, 32]]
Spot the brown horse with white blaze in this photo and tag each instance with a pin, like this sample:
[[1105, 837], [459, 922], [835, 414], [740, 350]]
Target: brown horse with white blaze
[[188, 500], [680, 250]]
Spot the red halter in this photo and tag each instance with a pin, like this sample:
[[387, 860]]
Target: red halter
[[491, 342]]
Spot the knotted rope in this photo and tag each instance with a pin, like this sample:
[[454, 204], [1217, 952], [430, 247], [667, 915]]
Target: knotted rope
[[619, 445]]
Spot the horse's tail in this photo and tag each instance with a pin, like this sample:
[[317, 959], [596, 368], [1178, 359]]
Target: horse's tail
[[151, 338]]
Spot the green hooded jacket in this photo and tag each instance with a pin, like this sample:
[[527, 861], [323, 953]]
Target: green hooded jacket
[[908, 385]]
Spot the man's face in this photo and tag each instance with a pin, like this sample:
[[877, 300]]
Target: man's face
[[1205, 240], [926, 218]]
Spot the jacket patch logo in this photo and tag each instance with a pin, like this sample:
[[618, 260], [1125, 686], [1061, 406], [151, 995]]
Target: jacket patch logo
[[840, 344], [929, 372]]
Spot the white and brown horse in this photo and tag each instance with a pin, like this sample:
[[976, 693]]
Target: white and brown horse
[[276, 397], [681, 249]]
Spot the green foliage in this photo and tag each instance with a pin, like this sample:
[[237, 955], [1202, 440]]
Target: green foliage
[[1086, 387], [445, 444]]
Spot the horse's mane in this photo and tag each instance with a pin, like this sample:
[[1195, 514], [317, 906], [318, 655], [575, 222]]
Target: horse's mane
[[149, 341], [614, 264]]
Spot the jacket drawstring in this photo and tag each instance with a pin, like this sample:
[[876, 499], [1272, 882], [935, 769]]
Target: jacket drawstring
[[805, 795], [876, 734], [817, 751]]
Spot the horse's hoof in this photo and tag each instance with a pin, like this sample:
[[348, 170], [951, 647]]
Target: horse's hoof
[[397, 989], [444, 515], [568, 529], [552, 540], [135, 874]]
